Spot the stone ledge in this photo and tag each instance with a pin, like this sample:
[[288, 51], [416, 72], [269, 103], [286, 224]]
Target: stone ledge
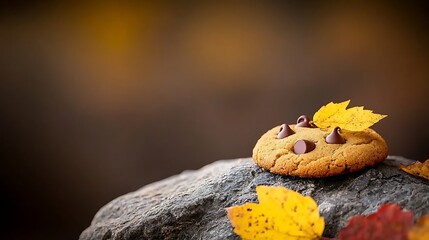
[[192, 205]]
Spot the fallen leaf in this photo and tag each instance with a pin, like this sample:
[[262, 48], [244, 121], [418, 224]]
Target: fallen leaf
[[280, 214], [420, 231], [352, 119], [417, 169], [389, 222]]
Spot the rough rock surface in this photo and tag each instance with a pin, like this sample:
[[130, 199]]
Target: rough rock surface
[[192, 205]]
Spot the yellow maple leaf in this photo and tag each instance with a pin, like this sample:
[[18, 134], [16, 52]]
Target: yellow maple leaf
[[420, 231], [353, 119], [417, 169], [280, 214]]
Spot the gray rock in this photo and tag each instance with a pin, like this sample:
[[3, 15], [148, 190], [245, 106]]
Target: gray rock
[[192, 205]]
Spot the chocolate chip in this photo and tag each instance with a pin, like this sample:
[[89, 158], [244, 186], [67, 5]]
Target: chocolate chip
[[285, 131], [303, 146], [304, 121], [334, 137]]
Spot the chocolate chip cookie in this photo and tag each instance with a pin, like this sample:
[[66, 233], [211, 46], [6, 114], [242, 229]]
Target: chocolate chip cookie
[[303, 150]]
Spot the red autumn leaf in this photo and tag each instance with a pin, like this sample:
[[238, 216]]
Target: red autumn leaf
[[389, 222]]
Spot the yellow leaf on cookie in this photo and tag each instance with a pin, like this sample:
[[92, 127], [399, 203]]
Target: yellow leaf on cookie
[[280, 214], [353, 119], [418, 169]]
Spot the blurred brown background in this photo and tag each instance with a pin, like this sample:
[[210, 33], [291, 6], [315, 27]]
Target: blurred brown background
[[100, 99]]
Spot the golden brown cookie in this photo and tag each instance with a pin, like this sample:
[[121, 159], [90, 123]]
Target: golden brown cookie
[[308, 151]]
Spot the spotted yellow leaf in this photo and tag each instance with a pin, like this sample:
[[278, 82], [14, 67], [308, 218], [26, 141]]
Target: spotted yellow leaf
[[353, 119], [280, 214], [418, 169]]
